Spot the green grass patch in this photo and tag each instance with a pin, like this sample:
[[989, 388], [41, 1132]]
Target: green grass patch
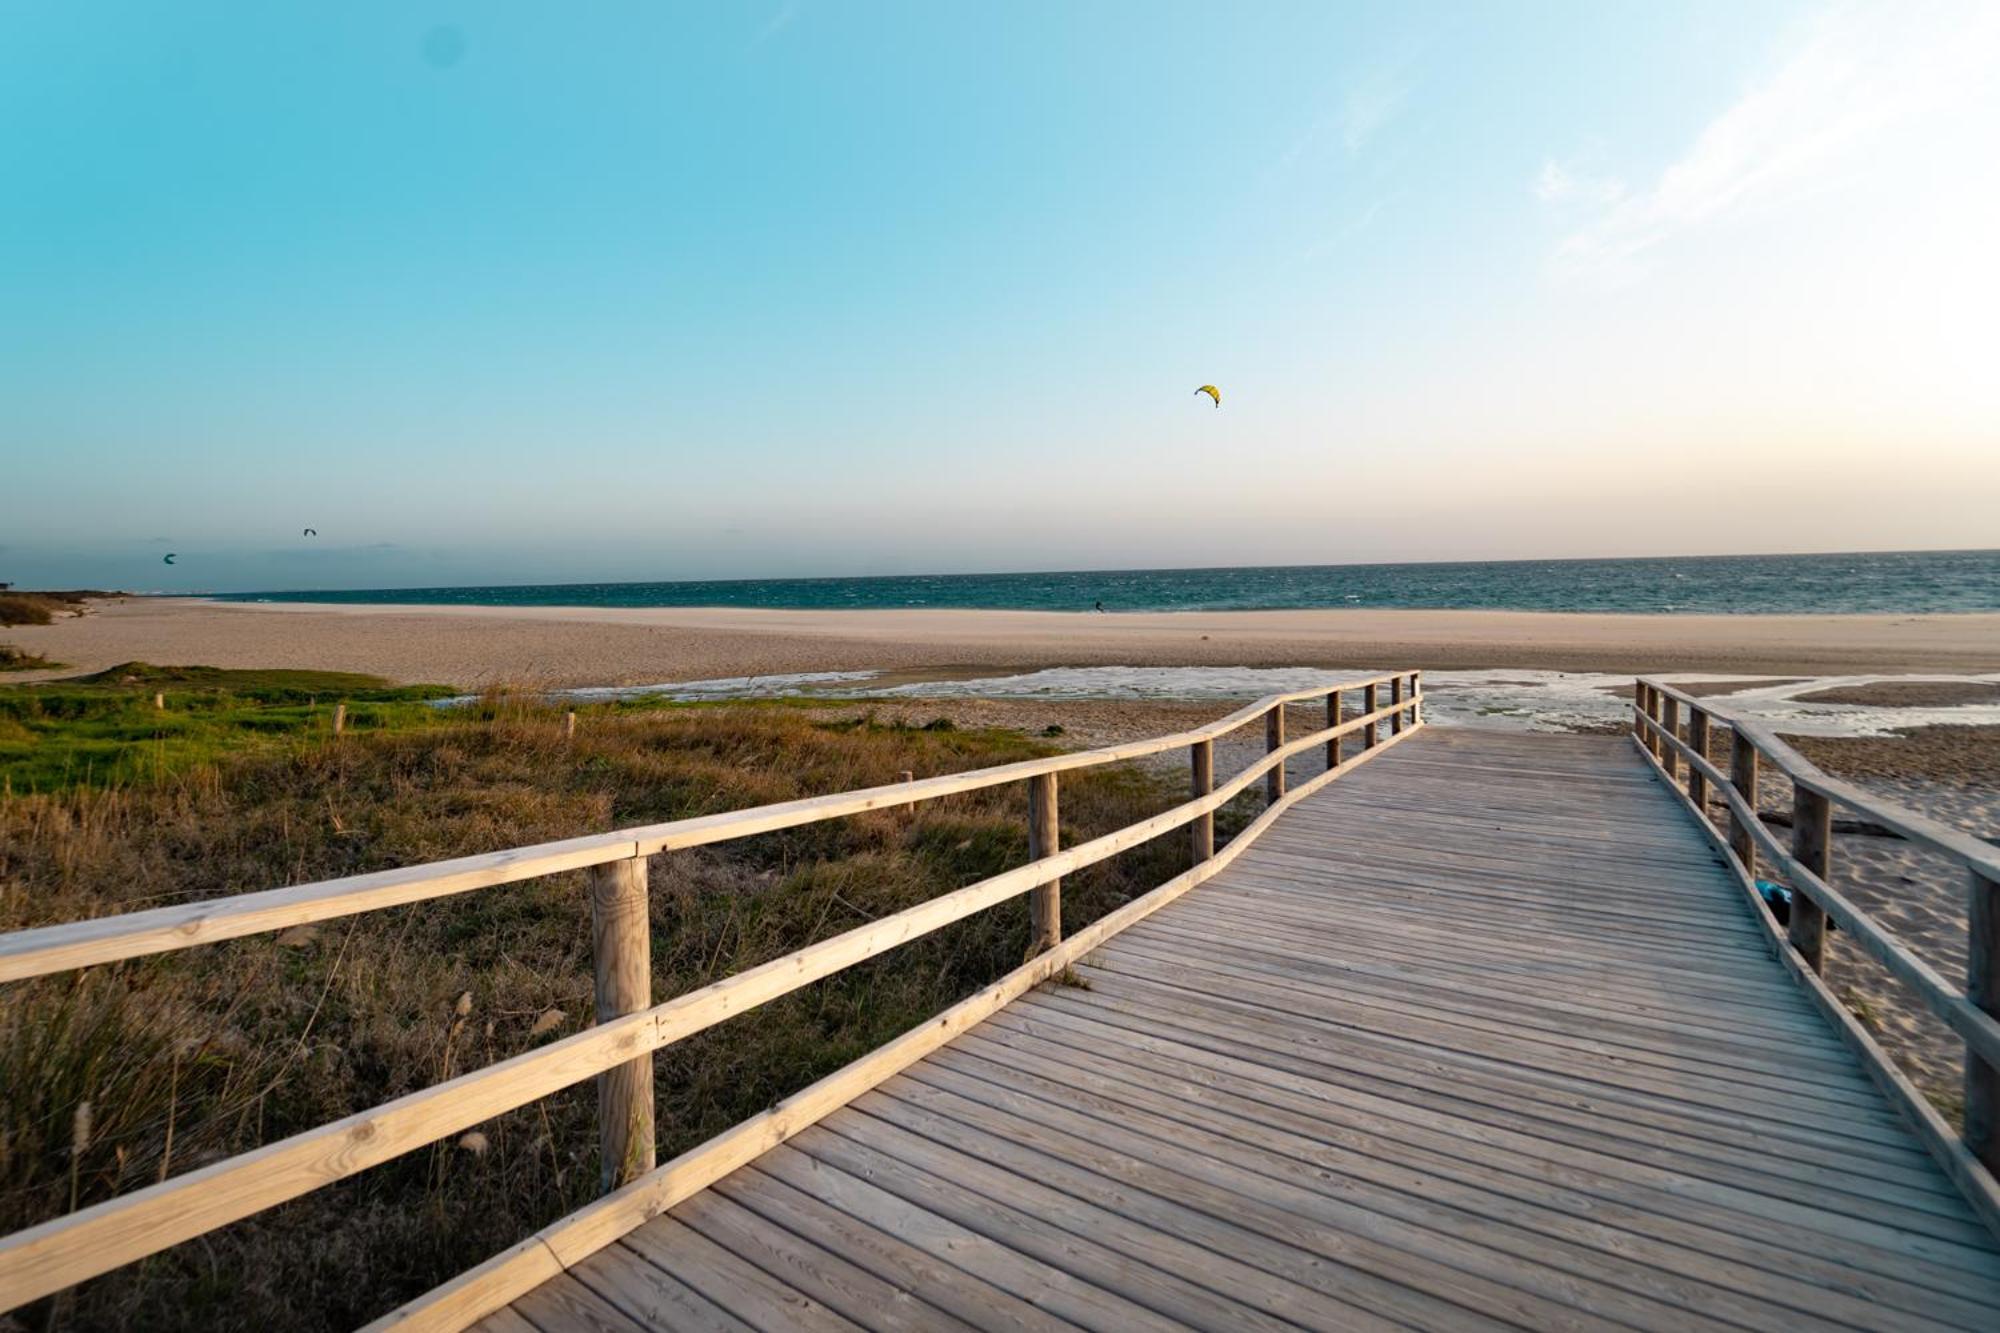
[[140, 723]]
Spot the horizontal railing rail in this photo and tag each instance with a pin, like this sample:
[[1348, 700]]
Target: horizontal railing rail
[[1972, 1156], [630, 1027], [30, 953]]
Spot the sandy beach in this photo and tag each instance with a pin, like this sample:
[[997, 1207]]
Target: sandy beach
[[561, 646]]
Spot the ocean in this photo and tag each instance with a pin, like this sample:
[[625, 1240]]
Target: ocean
[[1893, 581]]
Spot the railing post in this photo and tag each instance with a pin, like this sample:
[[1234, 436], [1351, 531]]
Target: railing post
[[1368, 708], [1743, 777], [1670, 718], [1274, 737], [1396, 701], [1639, 711], [622, 943], [1653, 714], [1416, 699], [1698, 738], [1201, 775], [1812, 838], [1333, 720], [1982, 987], [1044, 839]]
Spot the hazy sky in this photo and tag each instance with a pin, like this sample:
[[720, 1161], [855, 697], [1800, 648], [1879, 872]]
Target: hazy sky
[[535, 292]]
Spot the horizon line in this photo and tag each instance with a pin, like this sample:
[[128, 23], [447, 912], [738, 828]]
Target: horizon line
[[1030, 573]]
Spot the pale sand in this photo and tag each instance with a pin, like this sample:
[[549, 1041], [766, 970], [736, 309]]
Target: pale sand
[[477, 646]]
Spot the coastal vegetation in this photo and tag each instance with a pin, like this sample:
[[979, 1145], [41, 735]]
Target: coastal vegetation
[[116, 1077], [41, 608], [137, 722], [19, 659], [34, 608]]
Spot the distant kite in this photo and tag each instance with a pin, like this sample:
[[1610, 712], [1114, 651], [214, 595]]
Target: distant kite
[[311, 532], [169, 559], [1212, 392]]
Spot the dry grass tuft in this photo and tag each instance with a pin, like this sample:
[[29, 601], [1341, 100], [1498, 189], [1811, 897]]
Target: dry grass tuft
[[20, 659]]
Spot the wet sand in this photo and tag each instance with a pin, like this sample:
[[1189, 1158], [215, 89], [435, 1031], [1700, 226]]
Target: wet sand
[[560, 646], [1909, 694]]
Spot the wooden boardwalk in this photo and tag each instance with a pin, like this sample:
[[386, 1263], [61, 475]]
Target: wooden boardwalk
[[1481, 1035]]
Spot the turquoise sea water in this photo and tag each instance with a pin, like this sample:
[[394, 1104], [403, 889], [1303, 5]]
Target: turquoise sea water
[[1910, 581]]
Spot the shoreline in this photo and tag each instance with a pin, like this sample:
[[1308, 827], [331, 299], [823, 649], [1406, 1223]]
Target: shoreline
[[1077, 615], [476, 646]]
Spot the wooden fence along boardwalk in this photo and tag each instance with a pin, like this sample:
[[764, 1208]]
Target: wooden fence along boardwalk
[[1470, 1030]]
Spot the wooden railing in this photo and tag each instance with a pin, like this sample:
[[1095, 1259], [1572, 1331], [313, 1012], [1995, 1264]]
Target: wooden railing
[[630, 1027], [1973, 1014]]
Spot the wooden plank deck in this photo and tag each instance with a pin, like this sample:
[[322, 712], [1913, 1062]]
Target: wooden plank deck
[[1479, 1036]]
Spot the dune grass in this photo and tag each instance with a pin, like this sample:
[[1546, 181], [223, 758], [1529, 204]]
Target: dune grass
[[186, 1058], [20, 659], [39, 608]]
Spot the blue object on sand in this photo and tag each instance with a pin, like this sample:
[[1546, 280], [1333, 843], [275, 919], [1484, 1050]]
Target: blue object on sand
[[1778, 898]]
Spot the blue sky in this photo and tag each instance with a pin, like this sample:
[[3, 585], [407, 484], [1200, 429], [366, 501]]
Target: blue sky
[[523, 292]]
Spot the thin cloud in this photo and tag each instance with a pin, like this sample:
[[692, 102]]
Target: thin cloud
[[1345, 232], [1367, 104], [1370, 103], [777, 23], [1566, 183], [1856, 75]]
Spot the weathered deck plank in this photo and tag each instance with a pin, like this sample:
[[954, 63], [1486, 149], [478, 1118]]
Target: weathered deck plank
[[1480, 1035]]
